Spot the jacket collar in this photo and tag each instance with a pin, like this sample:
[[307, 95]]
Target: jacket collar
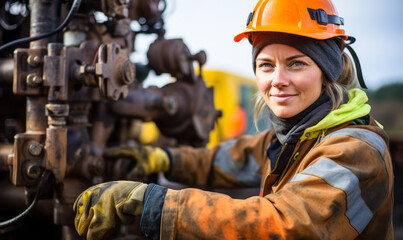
[[356, 107], [290, 129]]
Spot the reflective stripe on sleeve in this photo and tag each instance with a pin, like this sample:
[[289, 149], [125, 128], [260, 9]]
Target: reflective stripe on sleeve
[[247, 172], [342, 178], [367, 136]]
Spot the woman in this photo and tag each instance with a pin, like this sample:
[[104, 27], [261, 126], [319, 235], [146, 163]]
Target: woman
[[324, 169]]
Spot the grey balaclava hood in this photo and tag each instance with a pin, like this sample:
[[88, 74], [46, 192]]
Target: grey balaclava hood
[[326, 53]]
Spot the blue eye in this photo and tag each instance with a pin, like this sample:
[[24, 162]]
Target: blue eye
[[265, 65], [297, 64]]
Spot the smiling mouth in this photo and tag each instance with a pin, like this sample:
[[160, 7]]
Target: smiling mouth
[[282, 97]]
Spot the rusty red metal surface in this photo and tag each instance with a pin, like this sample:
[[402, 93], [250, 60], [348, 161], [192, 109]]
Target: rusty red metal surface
[[66, 97]]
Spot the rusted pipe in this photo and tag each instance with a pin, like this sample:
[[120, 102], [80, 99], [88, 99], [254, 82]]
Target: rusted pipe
[[36, 120], [6, 72], [43, 19], [146, 104], [5, 150]]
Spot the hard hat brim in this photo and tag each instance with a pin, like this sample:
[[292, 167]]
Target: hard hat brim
[[316, 35]]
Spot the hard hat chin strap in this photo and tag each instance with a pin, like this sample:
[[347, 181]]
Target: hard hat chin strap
[[356, 62]]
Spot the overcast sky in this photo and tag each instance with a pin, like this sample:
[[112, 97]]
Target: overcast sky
[[210, 25]]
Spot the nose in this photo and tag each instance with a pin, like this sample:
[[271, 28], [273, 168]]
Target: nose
[[280, 78]]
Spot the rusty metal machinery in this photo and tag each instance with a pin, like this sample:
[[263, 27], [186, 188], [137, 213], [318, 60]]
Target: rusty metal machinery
[[68, 89]]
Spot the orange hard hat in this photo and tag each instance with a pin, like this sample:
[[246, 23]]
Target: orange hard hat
[[310, 18]]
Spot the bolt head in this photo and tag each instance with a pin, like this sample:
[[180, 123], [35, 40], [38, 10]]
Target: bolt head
[[35, 148], [33, 60], [33, 171], [33, 80], [129, 72]]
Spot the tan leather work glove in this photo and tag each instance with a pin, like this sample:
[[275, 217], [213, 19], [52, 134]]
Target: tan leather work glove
[[148, 159], [100, 208]]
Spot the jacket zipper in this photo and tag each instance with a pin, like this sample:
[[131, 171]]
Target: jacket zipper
[[278, 157], [290, 160]]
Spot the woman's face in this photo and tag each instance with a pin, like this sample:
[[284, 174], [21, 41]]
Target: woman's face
[[289, 80]]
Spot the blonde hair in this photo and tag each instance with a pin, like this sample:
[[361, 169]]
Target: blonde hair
[[336, 90]]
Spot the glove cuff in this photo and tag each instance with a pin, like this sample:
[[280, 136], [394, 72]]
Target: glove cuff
[[150, 222], [133, 206], [162, 160]]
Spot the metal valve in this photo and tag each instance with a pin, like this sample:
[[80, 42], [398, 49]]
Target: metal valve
[[114, 71]]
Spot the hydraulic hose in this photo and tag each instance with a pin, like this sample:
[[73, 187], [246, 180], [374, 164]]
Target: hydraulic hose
[[356, 62], [16, 219], [73, 10]]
